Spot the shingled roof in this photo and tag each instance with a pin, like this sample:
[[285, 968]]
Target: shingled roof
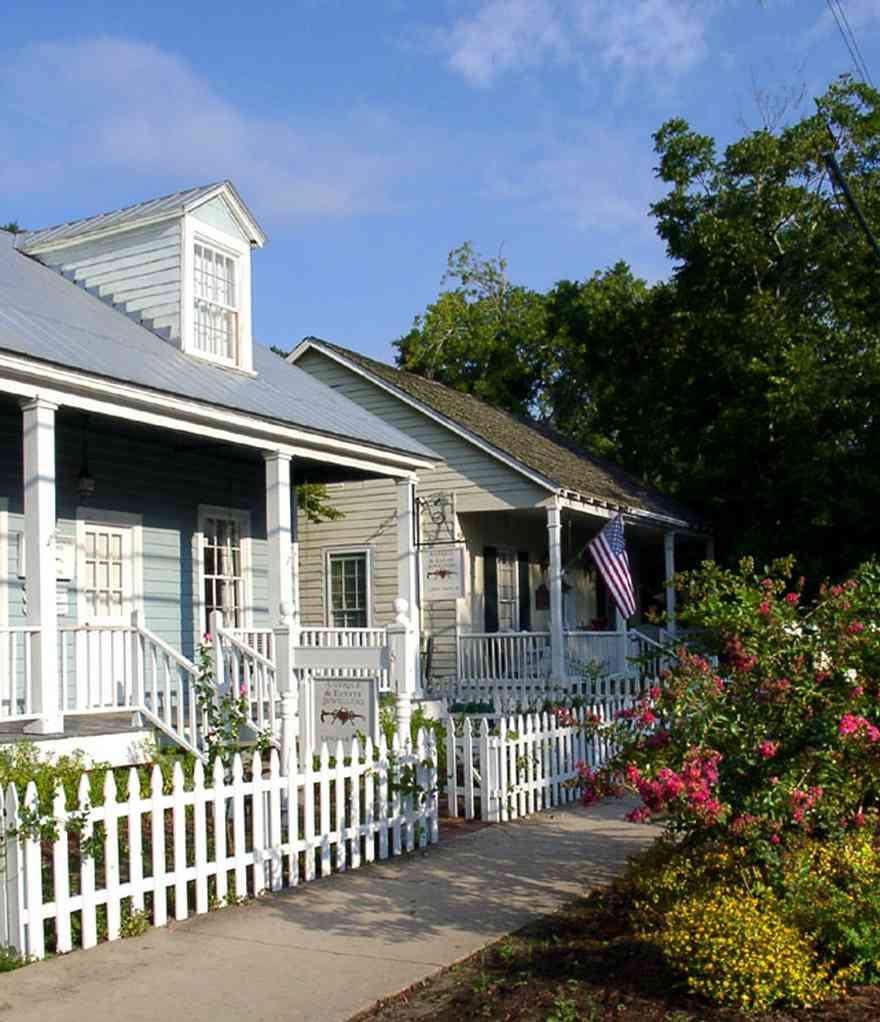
[[542, 450]]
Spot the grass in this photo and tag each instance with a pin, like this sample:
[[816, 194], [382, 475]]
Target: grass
[[582, 964]]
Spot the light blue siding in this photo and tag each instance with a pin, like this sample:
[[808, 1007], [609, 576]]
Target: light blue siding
[[151, 477], [216, 214], [139, 271]]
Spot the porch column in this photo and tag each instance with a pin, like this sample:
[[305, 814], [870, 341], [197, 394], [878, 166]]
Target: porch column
[[557, 627], [407, 568], [669, 570], [40, 571], [281, 599], [710, 548]]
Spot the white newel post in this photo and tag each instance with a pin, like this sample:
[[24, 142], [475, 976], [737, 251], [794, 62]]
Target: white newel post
[[557, 627], [407, 565], [40, 570], [215, 627], [622, 650], [282, 607], [669, 569], [402, 649]]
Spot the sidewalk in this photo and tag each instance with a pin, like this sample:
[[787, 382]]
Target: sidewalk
[[329, 949]]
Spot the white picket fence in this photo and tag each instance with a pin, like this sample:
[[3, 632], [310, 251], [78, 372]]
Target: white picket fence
[[524, 764], [174, 853], [512, 698]]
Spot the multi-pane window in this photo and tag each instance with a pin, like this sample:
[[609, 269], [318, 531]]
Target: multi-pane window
[[348, 590], [508, 591], [103, 586], [215, 313], [223, 571]]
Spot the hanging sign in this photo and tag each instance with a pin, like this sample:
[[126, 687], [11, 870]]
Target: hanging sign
[[345, 706], [442, 572]]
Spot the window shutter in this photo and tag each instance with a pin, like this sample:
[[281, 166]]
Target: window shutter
[[525, 596], [490, 587]]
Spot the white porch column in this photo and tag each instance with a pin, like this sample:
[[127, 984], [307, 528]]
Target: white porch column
[[407, 568], [557, 627], [669, 570], [40, 571], [283, 613], [402, 649]]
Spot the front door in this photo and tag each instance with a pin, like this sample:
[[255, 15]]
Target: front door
[[106, 599]]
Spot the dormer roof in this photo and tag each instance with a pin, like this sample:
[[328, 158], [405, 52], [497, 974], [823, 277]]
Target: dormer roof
[[152, 211]]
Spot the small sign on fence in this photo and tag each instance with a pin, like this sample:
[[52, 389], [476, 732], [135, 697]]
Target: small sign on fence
[[345, 706]]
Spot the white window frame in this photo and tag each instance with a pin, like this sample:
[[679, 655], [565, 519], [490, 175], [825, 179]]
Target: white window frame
[[514, 556], [196, 232], [243, 519], [86, 516], [344, 551], [6, 595]]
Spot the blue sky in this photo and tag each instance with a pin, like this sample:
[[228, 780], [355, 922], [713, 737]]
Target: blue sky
[[371, 138]]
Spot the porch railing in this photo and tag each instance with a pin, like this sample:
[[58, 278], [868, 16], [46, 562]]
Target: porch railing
[[114, 667], [607, 649], [16, 672], [504, 656], [251, 674]]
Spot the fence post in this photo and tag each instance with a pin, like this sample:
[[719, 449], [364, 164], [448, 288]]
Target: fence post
[[283, 641], [489, 800], [402, 644]]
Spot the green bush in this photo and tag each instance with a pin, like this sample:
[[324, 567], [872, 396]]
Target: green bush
[[737, 949]]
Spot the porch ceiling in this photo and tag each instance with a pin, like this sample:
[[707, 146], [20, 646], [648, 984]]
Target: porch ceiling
[[183, 447]]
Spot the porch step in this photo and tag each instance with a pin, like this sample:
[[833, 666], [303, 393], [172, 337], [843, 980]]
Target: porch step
[[116, 738]]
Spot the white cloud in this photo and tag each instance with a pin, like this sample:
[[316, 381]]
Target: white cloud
[[109, 106], [664, 38], [596, 180]]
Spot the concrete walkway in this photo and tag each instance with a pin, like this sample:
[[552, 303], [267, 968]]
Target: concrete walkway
[[329, 949]]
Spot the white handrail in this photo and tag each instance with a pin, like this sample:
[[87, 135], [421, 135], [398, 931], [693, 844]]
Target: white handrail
[[249, 673]]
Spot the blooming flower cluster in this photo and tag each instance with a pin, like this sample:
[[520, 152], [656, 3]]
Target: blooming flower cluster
[[693, 786], [852, 726]]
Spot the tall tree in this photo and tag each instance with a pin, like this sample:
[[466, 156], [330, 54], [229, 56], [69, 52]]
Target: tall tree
[[480, 335], [748, 384]]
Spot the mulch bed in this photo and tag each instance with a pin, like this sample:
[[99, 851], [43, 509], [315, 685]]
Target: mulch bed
[[581, 964]]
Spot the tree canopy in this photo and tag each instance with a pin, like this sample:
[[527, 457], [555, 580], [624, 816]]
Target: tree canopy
[[747, 384]]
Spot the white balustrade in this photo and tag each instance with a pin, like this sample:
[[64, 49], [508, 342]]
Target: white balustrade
[[248, 673], [16, 671], [504, 656], [606, 649]]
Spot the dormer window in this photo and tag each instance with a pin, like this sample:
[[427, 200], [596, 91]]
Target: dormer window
[[216, 294], [215, 304]]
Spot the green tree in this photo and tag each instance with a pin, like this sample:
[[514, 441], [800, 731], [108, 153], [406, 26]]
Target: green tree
[[747, 384], [481, 335]]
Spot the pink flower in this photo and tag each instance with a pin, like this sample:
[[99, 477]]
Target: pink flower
[[775, 839], [655, 691], [764, 608], [856, 628], [768, 748], [791, 598], [858, 727]]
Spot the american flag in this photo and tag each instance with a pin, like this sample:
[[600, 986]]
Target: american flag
[[609, 553]]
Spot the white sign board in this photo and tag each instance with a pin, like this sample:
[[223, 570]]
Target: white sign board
[[442, 572], [345, 706]]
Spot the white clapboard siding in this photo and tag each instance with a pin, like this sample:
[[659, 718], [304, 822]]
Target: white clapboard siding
[[249, 832], [522, 764]]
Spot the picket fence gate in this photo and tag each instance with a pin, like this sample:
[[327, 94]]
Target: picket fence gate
[[523, 764], [187, 850]]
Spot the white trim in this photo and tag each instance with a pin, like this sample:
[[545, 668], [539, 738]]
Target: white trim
[[114, 520], [4, 562], [193, 232], [575, 501], [326, 553], [236, 205], [28, 378], [243, 518], [426, 410]]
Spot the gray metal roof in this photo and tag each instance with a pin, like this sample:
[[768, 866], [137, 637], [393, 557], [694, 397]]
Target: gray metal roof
[[47, 317], [152, 209]]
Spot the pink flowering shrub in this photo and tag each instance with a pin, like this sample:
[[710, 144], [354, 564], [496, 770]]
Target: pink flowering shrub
[[768, 726]]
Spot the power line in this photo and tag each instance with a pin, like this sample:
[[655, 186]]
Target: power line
[[838, 12]]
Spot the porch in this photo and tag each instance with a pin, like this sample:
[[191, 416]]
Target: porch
[[124, 543]]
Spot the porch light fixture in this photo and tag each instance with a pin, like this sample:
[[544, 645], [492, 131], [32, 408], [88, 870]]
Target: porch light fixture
[[85, 483]]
